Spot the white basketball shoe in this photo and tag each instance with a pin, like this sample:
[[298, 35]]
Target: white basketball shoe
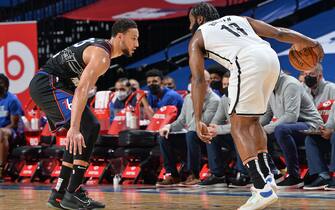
[[260, 198]]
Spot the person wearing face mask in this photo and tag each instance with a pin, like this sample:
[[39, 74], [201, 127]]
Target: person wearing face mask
[[159, 95], [216, 74], [290, 110], [169, 82], [122, 92], [10, 114], [320, 89], [193, 143]]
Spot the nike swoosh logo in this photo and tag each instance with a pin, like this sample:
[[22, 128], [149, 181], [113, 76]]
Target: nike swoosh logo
[[266, 194], [87, 203]]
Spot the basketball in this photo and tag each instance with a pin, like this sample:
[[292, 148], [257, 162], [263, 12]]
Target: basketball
[[303, 60]]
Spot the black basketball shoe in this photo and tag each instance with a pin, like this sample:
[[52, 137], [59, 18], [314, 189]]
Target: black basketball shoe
[[79, 200], [55, 199]]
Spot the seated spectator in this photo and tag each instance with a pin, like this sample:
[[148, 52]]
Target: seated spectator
[[320, 89], [290, 110], [215, 158], [216, 74], [169, 82], [316, 148], [134, 84], [10, 114], [220, 130], [159, 95], [225, 83], [122, 92], [186, 120]]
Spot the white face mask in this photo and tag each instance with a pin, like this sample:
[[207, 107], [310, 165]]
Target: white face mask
[[121, 95]]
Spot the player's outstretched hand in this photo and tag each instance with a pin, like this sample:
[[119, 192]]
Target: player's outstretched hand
[[315, 45], [74, 141], [203, 133], [317, 48]]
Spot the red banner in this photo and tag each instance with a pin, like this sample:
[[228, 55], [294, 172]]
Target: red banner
[[18, 56], [28, 170], [109, 10]]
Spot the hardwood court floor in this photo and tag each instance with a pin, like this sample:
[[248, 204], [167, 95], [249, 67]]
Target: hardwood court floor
[[31, 197]]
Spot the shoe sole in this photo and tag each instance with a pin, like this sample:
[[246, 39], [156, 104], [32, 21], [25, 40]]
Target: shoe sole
[[330, 189], [315, 188], [265, 204], [268, 204], [67, 208], [187, 185], [53, 207]]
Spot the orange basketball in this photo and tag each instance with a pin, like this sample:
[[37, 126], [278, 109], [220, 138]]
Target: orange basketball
[[303, 60]]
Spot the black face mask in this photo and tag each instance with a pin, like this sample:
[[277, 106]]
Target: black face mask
[[154, 89], [216, 85], [310, 81]]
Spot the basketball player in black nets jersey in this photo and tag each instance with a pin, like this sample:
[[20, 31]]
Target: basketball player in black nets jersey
[[235, 43], [61, 90]]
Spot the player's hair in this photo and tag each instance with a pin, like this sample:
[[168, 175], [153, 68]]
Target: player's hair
[[226, 74], [122, 26], [208, 11], [154, 73], [5, 79], [168, 77], [124, 81]]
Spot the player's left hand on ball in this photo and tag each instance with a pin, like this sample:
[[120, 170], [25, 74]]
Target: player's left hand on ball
[[203, 133], [317, 48], [74, 141]]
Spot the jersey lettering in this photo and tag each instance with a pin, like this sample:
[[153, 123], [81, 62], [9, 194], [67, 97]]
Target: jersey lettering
[[91, 40], [235, 29]]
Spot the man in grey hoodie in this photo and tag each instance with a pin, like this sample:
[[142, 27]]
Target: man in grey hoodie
[[290, 110], [320, 89]]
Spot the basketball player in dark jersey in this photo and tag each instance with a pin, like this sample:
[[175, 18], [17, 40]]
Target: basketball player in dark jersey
[[61, 90], [235, 43]]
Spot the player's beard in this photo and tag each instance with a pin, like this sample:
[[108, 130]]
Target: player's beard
[[194, 28], [126, 52]]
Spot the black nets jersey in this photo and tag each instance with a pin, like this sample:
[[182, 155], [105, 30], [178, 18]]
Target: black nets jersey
[[68, 63]]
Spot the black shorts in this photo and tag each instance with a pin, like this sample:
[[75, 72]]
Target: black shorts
[[54, 97]]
